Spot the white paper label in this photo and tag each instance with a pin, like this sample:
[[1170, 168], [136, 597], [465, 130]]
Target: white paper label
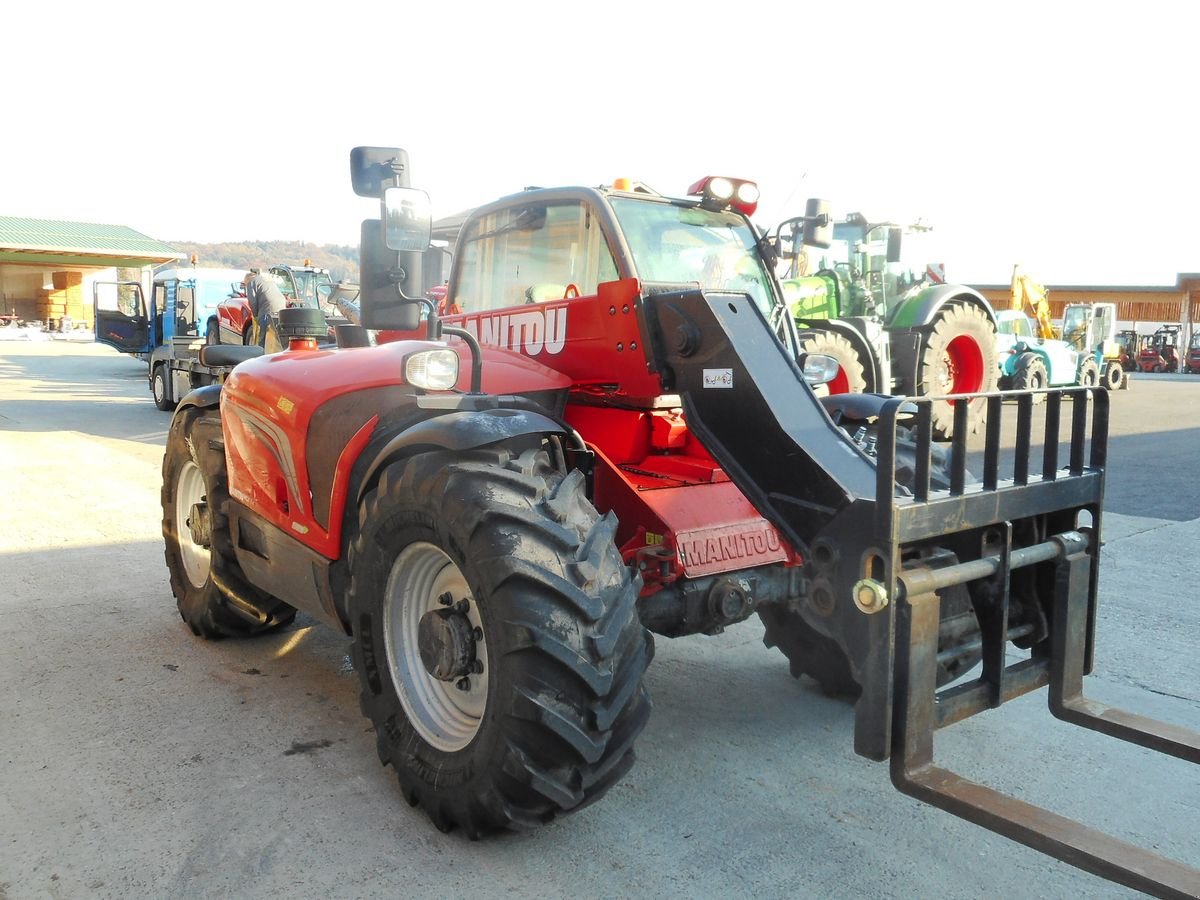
[[718, 378]]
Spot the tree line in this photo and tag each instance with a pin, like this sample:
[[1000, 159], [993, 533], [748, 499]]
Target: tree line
[[341, 261]]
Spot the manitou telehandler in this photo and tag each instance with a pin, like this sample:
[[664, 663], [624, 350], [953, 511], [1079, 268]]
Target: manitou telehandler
[[614, 437]]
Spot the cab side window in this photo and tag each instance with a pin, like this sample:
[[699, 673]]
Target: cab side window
[[532, 254]]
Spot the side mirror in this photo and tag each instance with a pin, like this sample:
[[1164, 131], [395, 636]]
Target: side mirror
[[818, 227], [407, 220], [895, 235], [372, 169], [382, 303]]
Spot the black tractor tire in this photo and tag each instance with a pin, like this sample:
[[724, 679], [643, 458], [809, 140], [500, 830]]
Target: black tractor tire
[[538, 712], [212, 333], [851, 377], [1029, 374], [160, 388], [1114, 376], [209, 587], [958, 356], [1089, 373]]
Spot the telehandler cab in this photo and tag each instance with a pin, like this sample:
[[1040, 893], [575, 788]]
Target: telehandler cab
[[616, 437]]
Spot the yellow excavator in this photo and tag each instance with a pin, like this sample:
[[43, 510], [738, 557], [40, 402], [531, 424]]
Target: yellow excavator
[[1027, 294]]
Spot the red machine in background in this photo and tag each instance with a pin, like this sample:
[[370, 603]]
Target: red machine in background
[[307, 285]]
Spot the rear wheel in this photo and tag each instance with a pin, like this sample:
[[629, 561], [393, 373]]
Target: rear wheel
[[851, 377], [161, 388], [1029, 374], [209, 589], [958, 357], [497, 638], [1114, 375]]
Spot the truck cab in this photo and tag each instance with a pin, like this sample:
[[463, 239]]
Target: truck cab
[[167, 331]]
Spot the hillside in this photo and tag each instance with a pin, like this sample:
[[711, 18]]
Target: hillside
[[342, 262]]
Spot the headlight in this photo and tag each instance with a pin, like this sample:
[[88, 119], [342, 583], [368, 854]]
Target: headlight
[[720, 188], [433, 370], [820, 369], [747, 192]]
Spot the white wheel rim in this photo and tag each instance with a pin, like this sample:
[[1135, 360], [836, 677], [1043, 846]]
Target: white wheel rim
[[447, 717], [160, 386], [189, 490]]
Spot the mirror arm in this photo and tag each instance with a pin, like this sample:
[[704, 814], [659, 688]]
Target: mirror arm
[[476, 355]]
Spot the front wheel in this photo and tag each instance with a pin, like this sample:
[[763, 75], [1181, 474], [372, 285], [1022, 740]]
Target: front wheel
[[212, 333], [958, 356], [1089, 373], [497, 638], [213, 597]]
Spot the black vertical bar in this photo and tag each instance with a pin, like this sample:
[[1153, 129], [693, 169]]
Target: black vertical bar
[[1024, 428], [1100, 430], [958, 449], [885, 467], [1050, 451], [995, 633], [1079, 410], [924, 426], [991, 449]]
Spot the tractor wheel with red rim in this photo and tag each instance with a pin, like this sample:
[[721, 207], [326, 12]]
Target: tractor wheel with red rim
[[958, 356], [851, 377]]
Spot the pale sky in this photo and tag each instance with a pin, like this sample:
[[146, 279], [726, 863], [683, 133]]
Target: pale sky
[[1061, 136]]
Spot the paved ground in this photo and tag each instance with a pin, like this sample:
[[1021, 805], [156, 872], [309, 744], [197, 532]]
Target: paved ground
[[138, 761]]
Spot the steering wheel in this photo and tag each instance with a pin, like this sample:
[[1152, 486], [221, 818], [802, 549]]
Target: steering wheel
[[572, 290]]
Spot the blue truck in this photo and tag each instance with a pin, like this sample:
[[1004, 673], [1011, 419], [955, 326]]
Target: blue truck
[[169, 331]]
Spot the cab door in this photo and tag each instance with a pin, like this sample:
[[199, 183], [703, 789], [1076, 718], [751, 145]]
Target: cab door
[[122, 319]]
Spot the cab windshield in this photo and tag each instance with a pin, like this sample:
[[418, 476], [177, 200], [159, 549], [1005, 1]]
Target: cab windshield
[[686, 244]]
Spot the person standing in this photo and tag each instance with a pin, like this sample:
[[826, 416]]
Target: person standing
[[266, 300]]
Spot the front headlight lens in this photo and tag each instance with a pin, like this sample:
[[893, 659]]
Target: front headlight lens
[[720, 188], [433, 370], [747, 192]]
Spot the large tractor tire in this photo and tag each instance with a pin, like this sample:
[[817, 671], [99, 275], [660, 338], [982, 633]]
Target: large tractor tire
[[497, 638], [851, 377], [210, 590], [958, 356], [1029, 374]]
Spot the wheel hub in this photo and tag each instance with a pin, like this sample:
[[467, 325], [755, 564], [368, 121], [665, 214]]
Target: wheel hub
[[200, 525], [446, 640]]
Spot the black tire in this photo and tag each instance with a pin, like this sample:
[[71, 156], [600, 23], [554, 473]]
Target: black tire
[[1114, 375], [549, 723], [1029, 374], [210, 590], [212, 333], [809, 652], [160, 387], [851, 379], [958, 356], [1089, 373]]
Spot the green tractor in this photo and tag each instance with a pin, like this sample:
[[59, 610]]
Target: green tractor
[[893, 327]]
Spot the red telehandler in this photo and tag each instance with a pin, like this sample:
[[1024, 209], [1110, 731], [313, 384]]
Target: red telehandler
[[616, 437]]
